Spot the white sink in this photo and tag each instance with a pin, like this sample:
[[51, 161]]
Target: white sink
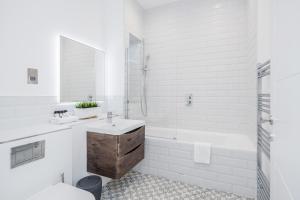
[[117, 127]]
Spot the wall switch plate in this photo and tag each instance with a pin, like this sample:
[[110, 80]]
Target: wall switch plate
[[32, 76]]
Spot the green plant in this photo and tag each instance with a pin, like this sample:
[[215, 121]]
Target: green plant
[[86, 105]]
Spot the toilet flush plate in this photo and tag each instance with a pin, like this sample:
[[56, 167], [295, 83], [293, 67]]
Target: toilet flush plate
[[32, 76]]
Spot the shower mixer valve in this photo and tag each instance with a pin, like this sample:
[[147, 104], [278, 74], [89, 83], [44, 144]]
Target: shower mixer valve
[[189, 99]]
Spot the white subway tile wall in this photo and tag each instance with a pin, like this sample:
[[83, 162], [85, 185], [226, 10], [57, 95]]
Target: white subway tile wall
[[201, 48], [230, 170], [23, 111], [252, 60]]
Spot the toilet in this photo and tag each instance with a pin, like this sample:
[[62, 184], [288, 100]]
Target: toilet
[[62, 191]]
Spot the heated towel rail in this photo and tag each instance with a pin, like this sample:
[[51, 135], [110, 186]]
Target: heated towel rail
[[264, 137]]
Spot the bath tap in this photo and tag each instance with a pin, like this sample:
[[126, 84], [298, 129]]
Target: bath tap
[[109, 117], [189, 100]]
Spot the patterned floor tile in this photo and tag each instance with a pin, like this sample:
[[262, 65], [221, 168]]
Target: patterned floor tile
[[137, 186]]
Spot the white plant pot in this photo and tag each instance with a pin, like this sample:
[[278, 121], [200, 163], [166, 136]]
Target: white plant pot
[[86, 113]]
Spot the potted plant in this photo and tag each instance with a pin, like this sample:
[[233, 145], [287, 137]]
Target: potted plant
[[86, 110]]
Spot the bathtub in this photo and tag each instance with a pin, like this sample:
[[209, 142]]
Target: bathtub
[[169, 153], [230, 141]]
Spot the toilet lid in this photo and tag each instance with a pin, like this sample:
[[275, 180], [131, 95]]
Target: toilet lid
[[62, 192]]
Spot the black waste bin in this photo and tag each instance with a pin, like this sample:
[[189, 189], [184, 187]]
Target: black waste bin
[[92, 184]]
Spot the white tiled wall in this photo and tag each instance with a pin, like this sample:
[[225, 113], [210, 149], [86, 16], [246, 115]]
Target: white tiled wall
[[230, 170], [200, 48], [252, 60], [23, 111]]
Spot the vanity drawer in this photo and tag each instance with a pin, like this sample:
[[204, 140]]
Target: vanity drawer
[[130, 140], [101, 154], [128, 161], [114, 155]]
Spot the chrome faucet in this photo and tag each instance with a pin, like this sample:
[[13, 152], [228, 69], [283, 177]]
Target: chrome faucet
[[189, 100], [109, 117]]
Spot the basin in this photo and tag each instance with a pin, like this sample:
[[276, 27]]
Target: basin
[[116, 127]]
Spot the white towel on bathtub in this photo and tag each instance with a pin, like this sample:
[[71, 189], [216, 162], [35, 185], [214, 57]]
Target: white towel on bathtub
[[202, 153]]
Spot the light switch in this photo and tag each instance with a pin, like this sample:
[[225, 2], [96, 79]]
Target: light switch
[[32, 76]]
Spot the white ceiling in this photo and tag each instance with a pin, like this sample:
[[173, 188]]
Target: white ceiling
[[147, 4]]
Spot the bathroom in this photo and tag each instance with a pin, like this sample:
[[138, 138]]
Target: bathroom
[[149, 99]]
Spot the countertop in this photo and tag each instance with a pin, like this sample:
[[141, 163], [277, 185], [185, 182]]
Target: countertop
[[10, 135]]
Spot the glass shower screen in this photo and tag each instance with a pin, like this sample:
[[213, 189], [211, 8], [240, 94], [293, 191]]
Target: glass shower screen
[[136, 74]]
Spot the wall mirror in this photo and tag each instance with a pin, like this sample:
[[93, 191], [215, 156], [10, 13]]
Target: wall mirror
[[82, 72]]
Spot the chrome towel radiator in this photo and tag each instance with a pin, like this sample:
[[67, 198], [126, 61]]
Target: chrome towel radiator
[[264, 136]]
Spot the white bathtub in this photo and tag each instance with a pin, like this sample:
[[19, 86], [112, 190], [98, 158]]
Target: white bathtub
[[169, 153], [225, 140]]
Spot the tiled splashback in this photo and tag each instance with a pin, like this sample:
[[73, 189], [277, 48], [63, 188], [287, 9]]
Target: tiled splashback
[[23, 111], [199, 48], [20, 111]]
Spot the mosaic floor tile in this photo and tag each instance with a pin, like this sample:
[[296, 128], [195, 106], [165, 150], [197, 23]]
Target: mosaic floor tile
[[137, 186]]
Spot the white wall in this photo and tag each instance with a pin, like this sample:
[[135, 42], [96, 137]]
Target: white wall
[[264, 30], [29, 37], [134, 18], [286, 98], [115, 55], [200, 48]]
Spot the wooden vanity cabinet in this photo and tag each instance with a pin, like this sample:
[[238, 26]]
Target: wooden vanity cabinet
[[114, 155]]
